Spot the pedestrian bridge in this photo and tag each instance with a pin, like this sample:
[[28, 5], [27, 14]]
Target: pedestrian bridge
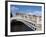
[[29, 23]]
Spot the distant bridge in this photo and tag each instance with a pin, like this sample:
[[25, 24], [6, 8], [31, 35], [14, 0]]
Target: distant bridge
[[29, 23]]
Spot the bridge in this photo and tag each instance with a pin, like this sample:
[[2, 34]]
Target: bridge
[[27, 22]]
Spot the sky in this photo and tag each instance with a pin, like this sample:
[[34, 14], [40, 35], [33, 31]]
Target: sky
[[34, 10]]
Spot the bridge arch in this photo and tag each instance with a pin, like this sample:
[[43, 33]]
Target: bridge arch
[[16, 22], [17, 25]]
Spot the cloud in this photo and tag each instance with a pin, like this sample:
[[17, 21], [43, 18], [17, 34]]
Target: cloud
[[14, 8], [17, 8], [37, 13]]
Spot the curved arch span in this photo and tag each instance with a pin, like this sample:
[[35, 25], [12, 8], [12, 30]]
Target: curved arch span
[[19, 26]]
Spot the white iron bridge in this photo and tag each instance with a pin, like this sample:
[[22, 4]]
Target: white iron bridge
[[29, 23]]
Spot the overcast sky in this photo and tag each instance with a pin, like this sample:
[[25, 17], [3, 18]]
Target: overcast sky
[[35, 10]]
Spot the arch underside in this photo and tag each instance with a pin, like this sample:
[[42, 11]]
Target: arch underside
[[19, 26]]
